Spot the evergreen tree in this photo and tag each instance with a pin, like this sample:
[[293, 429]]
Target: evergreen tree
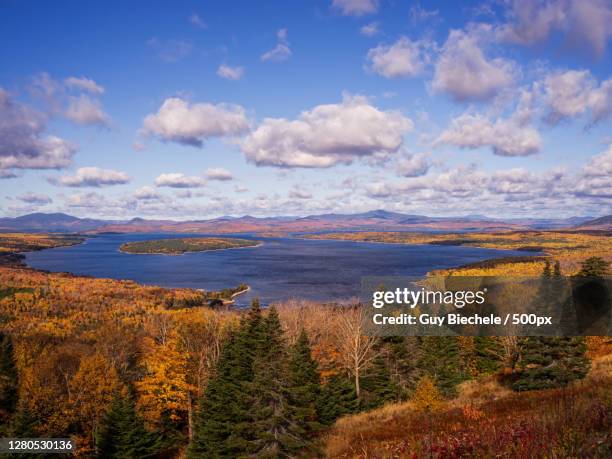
[[338, 398], [8, 378], [304, 385], [378, 387], [546, 273], [488, 351], [221, 421], [275, 429], [552, 361], [441, 361], [557, 269], [594, 267], [122, 434]]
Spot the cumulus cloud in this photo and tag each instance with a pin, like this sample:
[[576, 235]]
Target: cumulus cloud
[[507, 137], [85, 110], [89, 200], [230, 73], [404, 58], [355, 7], [23, 144], [369, 30], [35, 198], [218, 173], [190, 124], [84, 84], [571, 93], [146, 193], [178, 180], [585, 23], [464, 72], [600, 165], [327, 135], [92, 177], [413, 165], [281, 52], [75, 98]]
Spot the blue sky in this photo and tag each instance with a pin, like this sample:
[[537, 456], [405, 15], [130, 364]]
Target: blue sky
[[200, 109]]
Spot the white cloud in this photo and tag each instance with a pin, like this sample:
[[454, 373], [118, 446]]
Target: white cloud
[[197, 21], [420, 14], [600, 165], [85, 110], [22, 141], [327, 135], [369, 30], [179, 121], [572, 93], [219, 173], [404, 58], [93, 177], [177, 180], [281, 52], [35, 198], [299, 193], [84, 84], [230, 73], [413, 165], [356, 7], [146, 193], [89, 200], [507, 137], [464, 72], [585, 23]]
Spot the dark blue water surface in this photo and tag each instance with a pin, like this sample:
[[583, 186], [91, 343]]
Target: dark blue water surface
[[279, 269]]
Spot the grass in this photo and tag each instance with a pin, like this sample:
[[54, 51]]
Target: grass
[[487, 420]]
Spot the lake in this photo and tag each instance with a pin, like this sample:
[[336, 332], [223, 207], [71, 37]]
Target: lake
[[279, 269]]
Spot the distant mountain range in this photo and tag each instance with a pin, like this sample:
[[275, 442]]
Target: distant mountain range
[[375, 220]]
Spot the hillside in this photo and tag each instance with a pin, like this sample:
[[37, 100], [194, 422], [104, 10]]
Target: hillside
[[375, 220], [602, 223]]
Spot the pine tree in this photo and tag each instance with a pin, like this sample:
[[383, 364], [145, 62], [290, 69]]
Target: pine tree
[[304, 385], [338, 398], [557, 269], [594, 267], [441, 361], [546, 273], [488, 352], [377, 385], [8, 378], [548, 362], [276, 432], [122, 434], [219, 423]]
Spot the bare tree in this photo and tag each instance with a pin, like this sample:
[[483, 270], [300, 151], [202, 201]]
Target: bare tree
[[356, 348]]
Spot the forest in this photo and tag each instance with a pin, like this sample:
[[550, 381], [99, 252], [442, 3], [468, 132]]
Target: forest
[[184, 245], [130, 371]]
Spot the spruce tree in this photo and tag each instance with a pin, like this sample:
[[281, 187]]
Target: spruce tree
[[275, 430], [122, 434], [338, 398], [442, 362], [221, 419], [488, 351], [8, 378], [377, 385], [304, 386], [594, 267], [551, 361]]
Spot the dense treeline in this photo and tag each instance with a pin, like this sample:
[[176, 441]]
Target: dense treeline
[[126, 371], [183, 245]]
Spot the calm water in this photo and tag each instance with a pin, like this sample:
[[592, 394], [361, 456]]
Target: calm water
[[279, 269]]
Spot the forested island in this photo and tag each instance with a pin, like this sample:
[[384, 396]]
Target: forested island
[[184, 245]]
